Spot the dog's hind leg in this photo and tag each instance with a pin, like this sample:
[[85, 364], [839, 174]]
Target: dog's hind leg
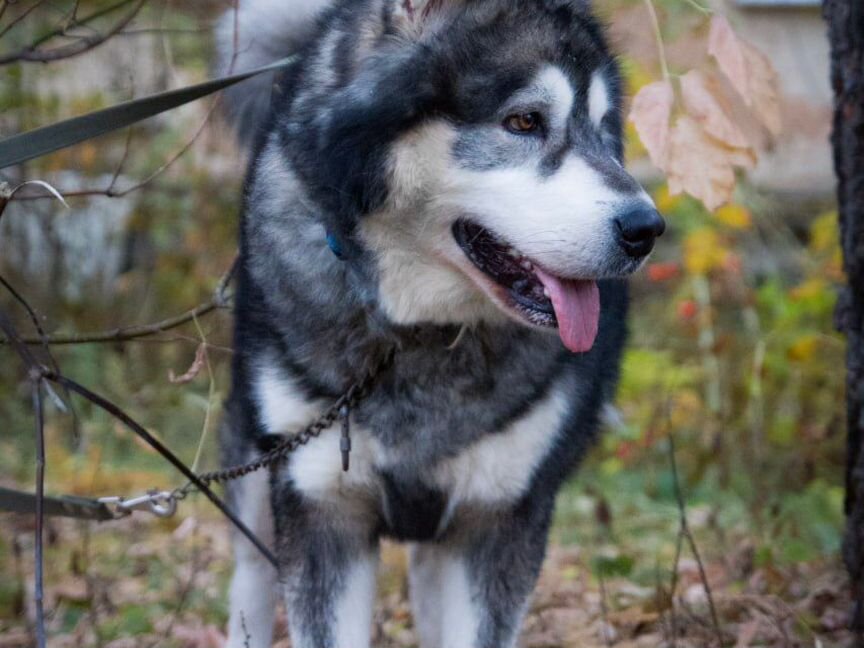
[[252, 597]]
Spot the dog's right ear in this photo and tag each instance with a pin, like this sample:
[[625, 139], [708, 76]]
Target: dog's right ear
[[578, 6]]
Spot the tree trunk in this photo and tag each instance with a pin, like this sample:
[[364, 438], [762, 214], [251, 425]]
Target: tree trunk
[[845, 20]]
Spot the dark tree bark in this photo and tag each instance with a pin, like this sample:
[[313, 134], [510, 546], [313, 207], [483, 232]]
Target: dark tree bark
[[845, 20]]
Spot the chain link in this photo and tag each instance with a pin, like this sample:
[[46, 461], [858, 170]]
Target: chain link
[[292, 442], [164, 504]]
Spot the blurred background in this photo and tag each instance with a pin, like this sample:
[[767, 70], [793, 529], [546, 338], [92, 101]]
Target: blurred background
[[733, 357]]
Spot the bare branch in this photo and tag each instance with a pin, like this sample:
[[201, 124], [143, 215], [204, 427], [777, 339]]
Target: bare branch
[[35, 373], [110, 192], [39, 372], [219, 300], [19, 17], [39, 420], [34, 319], [73, 21], [115, 411], [123, 159], [164, 30], [81, 44]]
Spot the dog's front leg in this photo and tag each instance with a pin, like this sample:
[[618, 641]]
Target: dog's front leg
[[473, 592], [327, 564], [252, 597]]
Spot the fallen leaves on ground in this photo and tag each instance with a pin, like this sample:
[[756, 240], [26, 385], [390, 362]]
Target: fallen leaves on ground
[[142, 583]]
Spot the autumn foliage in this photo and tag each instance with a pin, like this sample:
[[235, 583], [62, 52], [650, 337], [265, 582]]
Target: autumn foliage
[[714, 122]]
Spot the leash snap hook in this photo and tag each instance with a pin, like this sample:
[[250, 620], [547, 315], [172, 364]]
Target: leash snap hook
[[115, 505], [161, 504]]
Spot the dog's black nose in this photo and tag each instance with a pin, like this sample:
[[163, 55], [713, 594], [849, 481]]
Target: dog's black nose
[[637, 229]]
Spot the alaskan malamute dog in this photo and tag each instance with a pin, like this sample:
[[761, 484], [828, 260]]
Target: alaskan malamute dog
[[443, 178]]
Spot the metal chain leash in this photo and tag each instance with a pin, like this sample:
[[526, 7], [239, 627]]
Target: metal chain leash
[[164, 503]]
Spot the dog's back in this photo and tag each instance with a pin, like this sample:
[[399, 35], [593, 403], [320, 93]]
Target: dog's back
[[441, 180]]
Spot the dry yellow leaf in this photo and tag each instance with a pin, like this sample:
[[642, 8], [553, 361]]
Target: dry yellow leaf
[[810, 289], [749, 71], [703, 251], [704, 102], [804, 348], [701, 165], [735, 216], [194, 369], [650, 113]]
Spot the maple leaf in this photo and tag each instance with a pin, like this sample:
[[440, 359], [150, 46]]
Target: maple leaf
[[704, 101], [650, 113], [749, 71], [702, 166]]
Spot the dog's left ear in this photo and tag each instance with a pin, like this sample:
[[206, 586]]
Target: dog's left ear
[[414, 15]]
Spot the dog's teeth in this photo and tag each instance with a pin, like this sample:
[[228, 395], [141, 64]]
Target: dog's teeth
[[526, 264], [546, 292]]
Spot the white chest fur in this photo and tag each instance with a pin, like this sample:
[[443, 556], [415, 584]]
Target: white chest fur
[[498, 467], [494, 470]]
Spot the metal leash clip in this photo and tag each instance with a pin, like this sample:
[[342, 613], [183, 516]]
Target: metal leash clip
[[161, 504]]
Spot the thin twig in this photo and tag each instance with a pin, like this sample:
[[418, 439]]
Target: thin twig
[[211, 394], [686, 533], [219, 300], [82, 44], [658, 37], [163, 30], [73, 14], [42, 337], [123, 159], [661, 601], [698, 7], [86, 20], [115, 411], [679, 546], [604, 612], [35, 373], [110, 192], [20, 17], [183, 590], [214, 104], [34, 368], [39, 420]]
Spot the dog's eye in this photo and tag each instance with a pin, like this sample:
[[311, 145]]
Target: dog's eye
[[523, 123]]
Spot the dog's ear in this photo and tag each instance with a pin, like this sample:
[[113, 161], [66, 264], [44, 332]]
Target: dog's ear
[[577, 6], [414, 15]]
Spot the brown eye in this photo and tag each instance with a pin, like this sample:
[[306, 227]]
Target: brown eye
[[523, 122]]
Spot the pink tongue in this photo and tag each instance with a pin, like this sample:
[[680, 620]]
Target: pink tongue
[[577, 307]]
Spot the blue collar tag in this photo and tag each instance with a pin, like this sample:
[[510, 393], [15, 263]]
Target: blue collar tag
[[335, 246]]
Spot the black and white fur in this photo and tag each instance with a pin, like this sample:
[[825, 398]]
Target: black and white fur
[[386, 131]]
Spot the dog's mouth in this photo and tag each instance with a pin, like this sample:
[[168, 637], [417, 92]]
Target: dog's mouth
[[535, 295]]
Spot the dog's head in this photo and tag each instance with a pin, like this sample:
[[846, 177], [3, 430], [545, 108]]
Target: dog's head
[[475, 160]]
